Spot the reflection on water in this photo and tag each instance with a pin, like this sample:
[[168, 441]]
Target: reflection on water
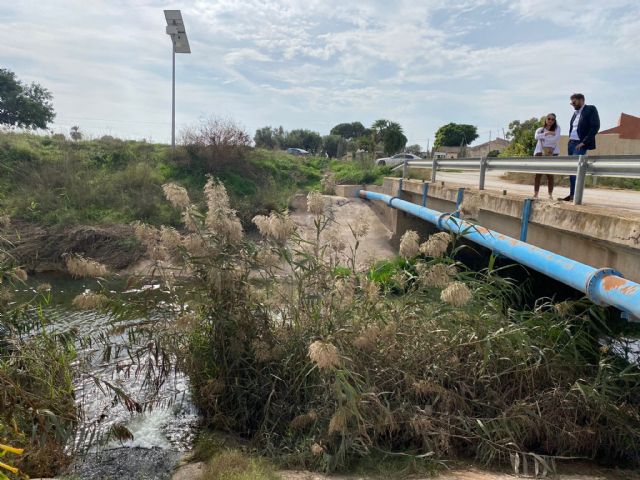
[[167, 417]]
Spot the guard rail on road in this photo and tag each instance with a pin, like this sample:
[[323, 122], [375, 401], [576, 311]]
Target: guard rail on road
[[626, 166]]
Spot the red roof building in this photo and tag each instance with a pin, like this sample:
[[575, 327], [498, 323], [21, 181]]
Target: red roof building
[[628, 127]]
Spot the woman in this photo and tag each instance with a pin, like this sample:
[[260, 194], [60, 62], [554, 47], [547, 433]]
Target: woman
[[548, 137]]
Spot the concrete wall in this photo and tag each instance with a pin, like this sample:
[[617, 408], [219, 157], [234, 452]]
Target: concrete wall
[[594, 236], [607, 144]]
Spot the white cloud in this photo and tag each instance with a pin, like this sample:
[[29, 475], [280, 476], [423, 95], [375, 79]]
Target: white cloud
[[316, 63]]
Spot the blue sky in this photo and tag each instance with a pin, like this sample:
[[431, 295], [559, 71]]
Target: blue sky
[[313, 64]]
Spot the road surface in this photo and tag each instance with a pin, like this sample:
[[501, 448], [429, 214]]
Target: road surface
[[597, 197]]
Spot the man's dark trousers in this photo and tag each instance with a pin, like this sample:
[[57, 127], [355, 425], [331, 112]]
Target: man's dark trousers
[[574, 151]]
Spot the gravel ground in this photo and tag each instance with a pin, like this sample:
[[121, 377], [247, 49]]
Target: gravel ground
[[127, 463]]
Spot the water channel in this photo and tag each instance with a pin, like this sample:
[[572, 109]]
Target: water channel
[[166, 421]]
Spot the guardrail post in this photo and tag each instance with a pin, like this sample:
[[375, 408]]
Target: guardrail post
[[483, 172], [405, 168], [434, 167], [459, 201], [581, 175], [524, 223]]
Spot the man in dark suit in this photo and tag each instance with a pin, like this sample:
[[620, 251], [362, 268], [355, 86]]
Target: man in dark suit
[[585, 123]]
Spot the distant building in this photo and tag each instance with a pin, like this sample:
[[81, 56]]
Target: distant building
[[447, 152], [483, 149], [628, 127]]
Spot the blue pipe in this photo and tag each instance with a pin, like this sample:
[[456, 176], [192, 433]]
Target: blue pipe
[[603, 286]]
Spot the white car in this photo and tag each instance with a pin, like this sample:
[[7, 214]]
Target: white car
[[397, 159]]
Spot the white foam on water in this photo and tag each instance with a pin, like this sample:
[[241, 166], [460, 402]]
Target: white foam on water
[[147, 429]]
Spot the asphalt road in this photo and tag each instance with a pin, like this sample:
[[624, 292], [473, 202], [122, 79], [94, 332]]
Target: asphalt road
[[598, 197]]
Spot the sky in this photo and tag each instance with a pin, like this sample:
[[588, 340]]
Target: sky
[[313, 64]]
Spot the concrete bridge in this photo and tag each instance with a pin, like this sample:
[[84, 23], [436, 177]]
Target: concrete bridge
[[593, 235]]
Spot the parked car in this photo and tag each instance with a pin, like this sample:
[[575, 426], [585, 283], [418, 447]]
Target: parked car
[[397, 159], [298, 152]]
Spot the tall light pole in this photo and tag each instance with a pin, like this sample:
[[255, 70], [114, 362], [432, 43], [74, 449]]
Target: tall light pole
[[180, 44]]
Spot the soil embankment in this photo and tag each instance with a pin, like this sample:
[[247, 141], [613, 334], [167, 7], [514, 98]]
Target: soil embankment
[[342, 213], [43, 249]]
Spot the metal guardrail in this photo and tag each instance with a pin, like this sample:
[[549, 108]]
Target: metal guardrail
[[627, 166]]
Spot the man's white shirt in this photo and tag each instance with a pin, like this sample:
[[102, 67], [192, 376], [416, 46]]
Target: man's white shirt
[[574, 125]]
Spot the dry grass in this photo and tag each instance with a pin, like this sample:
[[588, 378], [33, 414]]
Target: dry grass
[[409, 244], [236, 465], [89, 301], [432, 361], [80, 267]]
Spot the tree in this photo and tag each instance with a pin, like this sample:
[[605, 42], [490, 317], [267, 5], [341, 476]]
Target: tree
[[455, 135], [75, 133], [22, 105], [393, 139], [378, 127], [349, 130], [415, 149], [334, 145], [265, 138], [216, 142], [522, 136], [306, 139]]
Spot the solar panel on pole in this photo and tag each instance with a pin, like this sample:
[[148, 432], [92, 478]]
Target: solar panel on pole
[[175, 29]]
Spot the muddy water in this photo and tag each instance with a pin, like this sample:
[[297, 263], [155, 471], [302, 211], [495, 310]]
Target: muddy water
[[167, 421]]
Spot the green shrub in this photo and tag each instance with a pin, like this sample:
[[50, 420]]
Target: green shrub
[[49, 180], [355, 173], [38, 410]]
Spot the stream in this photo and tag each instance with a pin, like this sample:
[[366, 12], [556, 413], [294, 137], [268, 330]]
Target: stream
[[166, 425]]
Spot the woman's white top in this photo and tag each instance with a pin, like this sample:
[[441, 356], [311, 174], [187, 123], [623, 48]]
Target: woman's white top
[[547, 141]]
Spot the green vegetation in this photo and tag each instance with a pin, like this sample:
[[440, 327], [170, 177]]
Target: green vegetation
[[390, 135], [358, 173], [350, 131], [345, 137], [455, 135], [235, 465], [38, 411], [522, 136], [268, 137], [22, 105], [52, 181]]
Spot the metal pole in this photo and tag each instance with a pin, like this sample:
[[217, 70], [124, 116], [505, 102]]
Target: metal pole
[[405, 168], [173, 95], [434, 167], [483, 172], [580, 179]]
